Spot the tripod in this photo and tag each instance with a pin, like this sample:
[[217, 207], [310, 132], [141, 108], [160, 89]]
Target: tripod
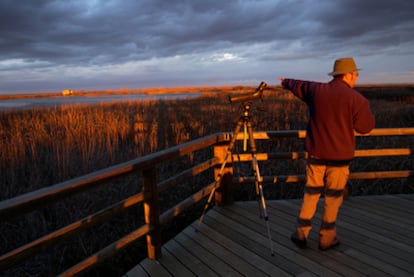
[[248, 135]]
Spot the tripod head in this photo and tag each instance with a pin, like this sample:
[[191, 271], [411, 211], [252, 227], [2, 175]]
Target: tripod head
[[247, 97]]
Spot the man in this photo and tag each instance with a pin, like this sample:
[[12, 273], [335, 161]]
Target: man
[[335, 111]]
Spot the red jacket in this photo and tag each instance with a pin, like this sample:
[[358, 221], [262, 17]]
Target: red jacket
[[335, 111]]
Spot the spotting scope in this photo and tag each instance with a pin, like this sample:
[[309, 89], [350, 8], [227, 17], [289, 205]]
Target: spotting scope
[[258, 93]]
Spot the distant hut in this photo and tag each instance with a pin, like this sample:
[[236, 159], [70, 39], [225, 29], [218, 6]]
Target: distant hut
[[66, 92]]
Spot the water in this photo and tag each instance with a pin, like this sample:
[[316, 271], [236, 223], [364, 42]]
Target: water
[[65, 100]]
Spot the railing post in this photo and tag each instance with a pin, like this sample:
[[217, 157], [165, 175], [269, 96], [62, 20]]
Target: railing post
[[224, 193], [152, 213]]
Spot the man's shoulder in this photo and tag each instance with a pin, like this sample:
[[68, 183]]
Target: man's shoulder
[[340, 85]]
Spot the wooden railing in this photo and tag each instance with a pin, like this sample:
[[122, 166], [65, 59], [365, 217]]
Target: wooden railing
[[22, 204]]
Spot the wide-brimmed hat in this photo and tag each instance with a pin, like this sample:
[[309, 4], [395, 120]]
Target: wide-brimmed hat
[[344, 65]]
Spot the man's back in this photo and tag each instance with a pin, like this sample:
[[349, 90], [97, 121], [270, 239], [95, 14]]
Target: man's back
[[335, 111]]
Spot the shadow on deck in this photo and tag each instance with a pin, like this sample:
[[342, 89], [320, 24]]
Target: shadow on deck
[[376, 233]]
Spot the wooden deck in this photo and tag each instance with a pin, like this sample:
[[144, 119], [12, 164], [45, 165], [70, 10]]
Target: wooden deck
[[376, 233]]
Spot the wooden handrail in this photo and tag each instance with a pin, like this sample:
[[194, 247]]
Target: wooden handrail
[[108, 251], [22, 253], [146, 165], [47, 195], [304, 155], [354, 175], [302, 133]]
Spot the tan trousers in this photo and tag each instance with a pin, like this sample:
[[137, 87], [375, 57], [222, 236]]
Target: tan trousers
[[332, 181]]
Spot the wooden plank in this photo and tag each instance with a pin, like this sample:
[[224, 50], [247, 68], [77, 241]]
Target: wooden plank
[[252, 242], [345, 242], [388, 132], [391, 248], [137, 271], [338, 256], [193, 263], [407, 197], [153, 268], [242, 257], [401, 200], [364, 251], [379, 208], [258, 229], [394, 202], [386, 246], [356, 264], [374, 217], [381, 253], [172, 264], [283, 226], [235, 238], [381, 265], [393, 217], [387, 204], [355, 227], [211, 255], [385, 225]]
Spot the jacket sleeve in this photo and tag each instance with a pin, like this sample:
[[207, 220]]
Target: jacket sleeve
[[298, 87], [364, 120]]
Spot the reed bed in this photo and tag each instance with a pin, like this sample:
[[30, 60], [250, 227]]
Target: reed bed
[[41, 147]]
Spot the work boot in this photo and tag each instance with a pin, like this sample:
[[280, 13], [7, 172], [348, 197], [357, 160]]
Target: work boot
[[333, 244], [301, 243]]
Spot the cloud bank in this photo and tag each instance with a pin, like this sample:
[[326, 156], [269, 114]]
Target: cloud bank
[[50, 45]]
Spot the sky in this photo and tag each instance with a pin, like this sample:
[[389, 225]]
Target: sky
[[51, 45]]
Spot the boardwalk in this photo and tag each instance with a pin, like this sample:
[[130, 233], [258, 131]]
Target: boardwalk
[[376, 233]]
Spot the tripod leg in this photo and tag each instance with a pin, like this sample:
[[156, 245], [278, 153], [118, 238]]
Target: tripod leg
[[255, 167], [223, 165], [259, 185]]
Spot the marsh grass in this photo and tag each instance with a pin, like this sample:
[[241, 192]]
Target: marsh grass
[[41, 147]]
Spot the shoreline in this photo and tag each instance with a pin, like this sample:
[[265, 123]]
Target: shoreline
[[173, 90]]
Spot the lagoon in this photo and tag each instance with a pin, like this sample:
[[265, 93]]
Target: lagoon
[[56, 101]]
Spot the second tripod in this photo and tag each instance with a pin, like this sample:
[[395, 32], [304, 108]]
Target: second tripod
[[244, 122]]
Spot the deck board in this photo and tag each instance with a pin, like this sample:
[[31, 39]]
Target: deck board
[[376, 233]]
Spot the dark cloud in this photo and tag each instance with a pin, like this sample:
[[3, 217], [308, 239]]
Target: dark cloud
[[45, 33]]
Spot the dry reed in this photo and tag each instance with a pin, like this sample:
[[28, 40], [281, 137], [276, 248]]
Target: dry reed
[[41, 147]]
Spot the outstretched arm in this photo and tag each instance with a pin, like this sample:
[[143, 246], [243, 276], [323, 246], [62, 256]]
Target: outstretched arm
[[299, 88]]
